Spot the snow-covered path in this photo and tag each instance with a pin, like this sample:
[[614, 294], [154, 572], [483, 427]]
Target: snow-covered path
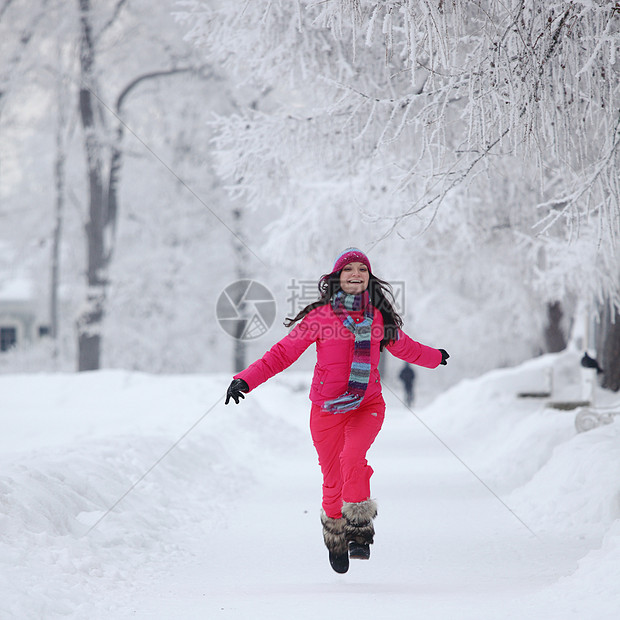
[[445, 547], [226, 524]]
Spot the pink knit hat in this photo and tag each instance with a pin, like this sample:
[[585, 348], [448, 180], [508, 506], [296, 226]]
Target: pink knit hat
[[351, 255]]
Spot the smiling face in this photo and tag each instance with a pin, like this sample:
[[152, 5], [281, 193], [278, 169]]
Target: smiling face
[[354, 278]]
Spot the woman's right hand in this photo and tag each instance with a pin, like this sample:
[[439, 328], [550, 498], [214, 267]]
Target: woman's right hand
[[235, 390]]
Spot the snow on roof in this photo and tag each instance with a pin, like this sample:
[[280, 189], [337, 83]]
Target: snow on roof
[[16, 289]]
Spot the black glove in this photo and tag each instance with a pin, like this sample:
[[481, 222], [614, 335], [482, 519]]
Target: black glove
[[444, 357], [235, 390]]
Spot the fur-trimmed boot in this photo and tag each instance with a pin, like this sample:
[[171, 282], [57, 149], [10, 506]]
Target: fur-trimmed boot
[[336, 542], [359, 528]]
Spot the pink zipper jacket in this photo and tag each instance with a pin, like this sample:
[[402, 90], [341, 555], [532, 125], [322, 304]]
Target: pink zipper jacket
[[334, 348]]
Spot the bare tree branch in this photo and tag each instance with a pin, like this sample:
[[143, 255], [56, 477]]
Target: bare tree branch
[[117, 10]]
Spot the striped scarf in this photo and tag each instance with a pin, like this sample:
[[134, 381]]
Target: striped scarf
[[342, 304]]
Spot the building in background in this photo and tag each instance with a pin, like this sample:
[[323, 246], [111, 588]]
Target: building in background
[[19, 316]]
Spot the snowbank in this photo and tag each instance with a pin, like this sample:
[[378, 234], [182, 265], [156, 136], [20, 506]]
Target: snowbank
[[73, 445], [559, 482]]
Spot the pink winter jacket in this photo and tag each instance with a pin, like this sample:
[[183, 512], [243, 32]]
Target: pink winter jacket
[[334, 347]]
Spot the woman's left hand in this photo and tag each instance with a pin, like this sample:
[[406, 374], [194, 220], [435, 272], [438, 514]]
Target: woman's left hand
[[444, 357]]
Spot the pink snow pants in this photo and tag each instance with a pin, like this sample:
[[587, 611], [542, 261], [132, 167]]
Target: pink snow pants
[[341, 441]]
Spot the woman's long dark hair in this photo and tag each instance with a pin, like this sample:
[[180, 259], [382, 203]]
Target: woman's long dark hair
[[381, 297]]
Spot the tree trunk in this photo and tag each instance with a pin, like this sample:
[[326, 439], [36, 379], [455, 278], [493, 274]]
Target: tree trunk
[[609, 348], [555, 340], [59, 178], [90, 321]]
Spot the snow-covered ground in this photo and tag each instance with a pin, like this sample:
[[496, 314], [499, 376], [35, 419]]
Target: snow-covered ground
[[490, 506]]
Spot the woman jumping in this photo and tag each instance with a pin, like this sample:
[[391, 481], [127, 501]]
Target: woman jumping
[[351, 324]]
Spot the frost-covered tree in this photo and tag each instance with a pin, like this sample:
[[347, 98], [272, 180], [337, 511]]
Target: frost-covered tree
[[482, 129], [143, 188], [24, 22], [104, 159]]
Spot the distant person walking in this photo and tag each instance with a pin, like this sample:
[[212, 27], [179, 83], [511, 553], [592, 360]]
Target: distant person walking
[[352, 322], [407, 376]]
